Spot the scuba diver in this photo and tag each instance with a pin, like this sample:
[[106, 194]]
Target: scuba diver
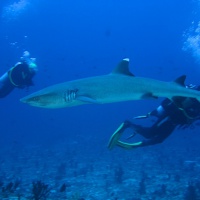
[[181, 112], [19, 76]]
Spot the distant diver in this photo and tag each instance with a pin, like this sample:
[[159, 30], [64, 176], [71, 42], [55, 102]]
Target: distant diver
[[181, 112], [120, 85], [19, 76]]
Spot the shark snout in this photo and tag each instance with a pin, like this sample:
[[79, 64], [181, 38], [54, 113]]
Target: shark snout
[[46, 100], [31, 100], [23, 100]]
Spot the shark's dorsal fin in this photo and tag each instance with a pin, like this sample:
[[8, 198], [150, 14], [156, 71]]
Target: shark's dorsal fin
[[123, 68], [181, 80]]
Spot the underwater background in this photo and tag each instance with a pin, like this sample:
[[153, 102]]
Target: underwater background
[[64, 152]]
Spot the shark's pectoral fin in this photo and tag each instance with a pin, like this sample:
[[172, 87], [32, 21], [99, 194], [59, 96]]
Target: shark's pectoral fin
[[148, 95], [87, 99]]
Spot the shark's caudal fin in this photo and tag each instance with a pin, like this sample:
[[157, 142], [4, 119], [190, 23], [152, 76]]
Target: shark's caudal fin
[[123, 68]]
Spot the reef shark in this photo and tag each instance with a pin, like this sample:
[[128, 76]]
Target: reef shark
[[120, 85]]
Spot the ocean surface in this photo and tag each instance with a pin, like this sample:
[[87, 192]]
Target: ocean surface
[[63, 153]]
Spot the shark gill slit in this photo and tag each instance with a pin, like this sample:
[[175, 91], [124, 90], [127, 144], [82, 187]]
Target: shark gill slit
[[70, 95]]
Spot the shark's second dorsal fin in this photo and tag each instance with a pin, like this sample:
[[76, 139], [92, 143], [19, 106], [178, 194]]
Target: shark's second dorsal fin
[[181, 80], [123, 68]]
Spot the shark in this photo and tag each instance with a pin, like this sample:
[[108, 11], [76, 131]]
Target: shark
[[118, 86]]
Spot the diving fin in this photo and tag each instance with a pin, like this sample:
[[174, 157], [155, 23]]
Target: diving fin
[[115, 137], [126, 145]]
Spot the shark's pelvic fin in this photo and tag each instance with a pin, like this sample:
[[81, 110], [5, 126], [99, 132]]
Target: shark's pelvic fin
[[148, 95], [181, 80], [123, 68]]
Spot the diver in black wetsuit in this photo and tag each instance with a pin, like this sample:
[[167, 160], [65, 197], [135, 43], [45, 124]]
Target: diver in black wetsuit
[[19, 76], [181, 112]]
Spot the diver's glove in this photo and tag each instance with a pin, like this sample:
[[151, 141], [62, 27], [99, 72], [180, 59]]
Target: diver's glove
[[191, 86], [142, 116]]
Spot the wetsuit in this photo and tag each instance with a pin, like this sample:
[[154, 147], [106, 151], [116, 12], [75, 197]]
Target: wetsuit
[[19, 76], [182, 112]]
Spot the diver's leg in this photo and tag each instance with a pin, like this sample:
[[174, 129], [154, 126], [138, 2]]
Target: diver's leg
[[142, 130], [5, 86]]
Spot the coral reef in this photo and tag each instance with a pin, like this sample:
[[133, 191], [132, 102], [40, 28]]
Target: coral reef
[[37, 173]]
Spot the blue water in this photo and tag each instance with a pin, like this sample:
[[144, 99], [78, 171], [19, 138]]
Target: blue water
[[82, 38]]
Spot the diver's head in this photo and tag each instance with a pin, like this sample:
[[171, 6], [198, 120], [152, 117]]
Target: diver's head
[[31, 62], [26, 54]]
